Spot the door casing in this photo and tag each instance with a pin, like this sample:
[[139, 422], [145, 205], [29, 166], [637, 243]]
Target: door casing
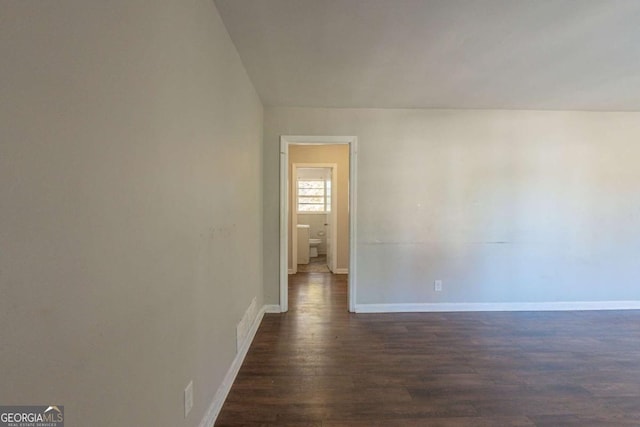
[[285, 142]]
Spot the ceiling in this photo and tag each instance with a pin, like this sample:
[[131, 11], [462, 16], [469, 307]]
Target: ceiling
[[506, 54]]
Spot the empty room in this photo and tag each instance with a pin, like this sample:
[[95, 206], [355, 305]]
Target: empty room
[[320, 213]]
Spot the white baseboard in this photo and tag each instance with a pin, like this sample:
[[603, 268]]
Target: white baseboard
[[291, 271], [341, 271], [272, 308], [220, 396], [499, 306]]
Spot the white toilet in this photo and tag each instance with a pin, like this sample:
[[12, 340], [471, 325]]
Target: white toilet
[[313, 247]]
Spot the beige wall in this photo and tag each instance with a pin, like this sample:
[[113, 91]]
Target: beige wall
[[130, 218], [338, 154], [503, 206]]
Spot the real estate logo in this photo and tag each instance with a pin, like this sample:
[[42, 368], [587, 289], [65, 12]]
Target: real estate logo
[[32, 416]]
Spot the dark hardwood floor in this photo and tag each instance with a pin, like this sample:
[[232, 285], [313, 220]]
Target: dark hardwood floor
[[319, 365]]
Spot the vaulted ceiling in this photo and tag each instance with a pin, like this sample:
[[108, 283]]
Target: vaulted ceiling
[[512, 54]]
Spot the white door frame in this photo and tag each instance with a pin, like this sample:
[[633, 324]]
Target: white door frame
[[285, 142], [333, 213]]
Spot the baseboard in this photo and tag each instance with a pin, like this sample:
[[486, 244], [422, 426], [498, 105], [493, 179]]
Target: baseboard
[[291, 271], [500, 306], [220, 396], [272, 308], [341, 271]]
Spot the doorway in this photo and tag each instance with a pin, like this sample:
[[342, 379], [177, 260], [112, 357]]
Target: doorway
[[289, 211], [314, 217]]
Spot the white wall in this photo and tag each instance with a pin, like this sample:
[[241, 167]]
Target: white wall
[[503, 206], [130, 218]]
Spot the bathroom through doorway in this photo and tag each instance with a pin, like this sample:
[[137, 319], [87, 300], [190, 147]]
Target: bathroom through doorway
[[314, 209]]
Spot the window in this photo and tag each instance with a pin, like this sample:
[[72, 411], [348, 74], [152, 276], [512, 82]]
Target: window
[[314, 195]]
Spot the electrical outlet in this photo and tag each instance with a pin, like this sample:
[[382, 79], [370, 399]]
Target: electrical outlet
[[188, 398], [437, 286]]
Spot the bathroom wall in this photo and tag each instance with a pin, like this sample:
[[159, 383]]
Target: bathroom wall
[[338, 154]]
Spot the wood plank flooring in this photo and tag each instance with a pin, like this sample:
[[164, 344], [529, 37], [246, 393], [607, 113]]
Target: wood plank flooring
[[319, 365]]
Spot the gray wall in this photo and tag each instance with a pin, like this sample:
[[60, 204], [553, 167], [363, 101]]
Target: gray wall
[[503, 206], [130, 218]]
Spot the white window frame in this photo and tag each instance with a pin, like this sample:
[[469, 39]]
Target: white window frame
[[326, 193]]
